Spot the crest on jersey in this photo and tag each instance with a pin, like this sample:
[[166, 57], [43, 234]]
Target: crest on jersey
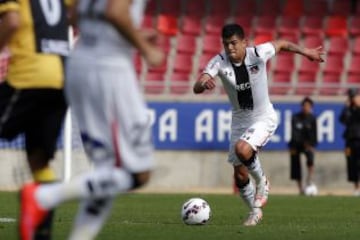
[[254, 69]]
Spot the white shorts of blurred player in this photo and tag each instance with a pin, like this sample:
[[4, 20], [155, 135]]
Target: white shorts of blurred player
[[111, 112], [257, 135]]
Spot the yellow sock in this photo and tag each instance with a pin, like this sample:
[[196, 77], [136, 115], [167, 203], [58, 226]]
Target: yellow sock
[[44, 175]]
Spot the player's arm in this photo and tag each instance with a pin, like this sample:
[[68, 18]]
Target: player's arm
[[313, 54], [205, 82], [9, 23], [118, 13]]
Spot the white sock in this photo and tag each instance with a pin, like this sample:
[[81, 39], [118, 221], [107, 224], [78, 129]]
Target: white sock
[[100, 183], [256, 170], [88, 224], [247, 193]]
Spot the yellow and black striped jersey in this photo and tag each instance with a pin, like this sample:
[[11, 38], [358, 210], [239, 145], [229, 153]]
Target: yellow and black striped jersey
[[39, 45]]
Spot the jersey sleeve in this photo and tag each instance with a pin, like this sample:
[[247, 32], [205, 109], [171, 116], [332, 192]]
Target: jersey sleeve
[[9, 5], [265, 51], [213, 66]]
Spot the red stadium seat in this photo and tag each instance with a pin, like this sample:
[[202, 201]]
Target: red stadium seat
[[293, 8], [191, 25], [312, 42], [246, 23], [151, 8], [290, 38], [265, 25], [289, 26], [333, 65], [172, 7], [317, 8], [307, 74], [341, 8], [284, 64], [167, 24], [204, 60], [269, 8], [154, 83], [194, 7], [338, 46], [353, 79], [214, 24], [262, 38], [211, 44], [282, 73], [354, 68], [330, 84], [356, 46], [281, 83], [312, 26], [354, 26], [164, 43], [219, 8], [336, 26], [179, 83], [186, 44], [308, 69], [147, 22], [245, 8], [183, 63]]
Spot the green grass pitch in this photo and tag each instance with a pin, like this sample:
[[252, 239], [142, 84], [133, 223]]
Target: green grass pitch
[[157, 216]]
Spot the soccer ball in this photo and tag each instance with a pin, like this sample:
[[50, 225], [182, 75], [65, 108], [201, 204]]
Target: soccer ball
[[195, 211], [311, 190]]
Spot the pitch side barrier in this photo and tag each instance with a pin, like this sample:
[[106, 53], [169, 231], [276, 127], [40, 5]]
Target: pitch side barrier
[[206, 126]]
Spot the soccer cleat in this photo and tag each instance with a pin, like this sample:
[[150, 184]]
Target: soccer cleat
[[255, 216], [262, 193], [31, 214]]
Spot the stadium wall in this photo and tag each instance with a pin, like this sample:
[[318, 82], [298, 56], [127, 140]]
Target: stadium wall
[[197, 171], [191, 141]]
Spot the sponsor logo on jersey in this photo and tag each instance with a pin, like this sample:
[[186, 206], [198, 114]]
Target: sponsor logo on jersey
[[242, 86], [254, 69]]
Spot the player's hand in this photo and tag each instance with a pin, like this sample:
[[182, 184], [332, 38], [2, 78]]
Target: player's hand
[[315, 54], [154, 56], [208, 84], [150, 35]]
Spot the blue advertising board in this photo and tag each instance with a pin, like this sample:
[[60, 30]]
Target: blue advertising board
[[206, 126]]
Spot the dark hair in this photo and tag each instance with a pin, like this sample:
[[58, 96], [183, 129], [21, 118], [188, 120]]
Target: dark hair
[[307, 100], [352, 92], [232, 29]]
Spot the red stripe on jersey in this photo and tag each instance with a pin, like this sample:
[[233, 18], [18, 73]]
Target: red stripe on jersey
[[115, 138]]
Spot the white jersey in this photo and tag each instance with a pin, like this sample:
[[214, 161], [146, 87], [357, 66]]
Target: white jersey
[[246, 85], [104, 94], [99, 37]]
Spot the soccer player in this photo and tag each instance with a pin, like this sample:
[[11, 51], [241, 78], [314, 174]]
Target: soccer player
[[303, 140], [349, 118], [31, 97], [242, 70], [104, 95]]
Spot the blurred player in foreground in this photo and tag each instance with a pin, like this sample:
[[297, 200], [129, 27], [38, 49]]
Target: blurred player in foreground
[[104, 95], [31, 97], [242, 71], [303, 140]]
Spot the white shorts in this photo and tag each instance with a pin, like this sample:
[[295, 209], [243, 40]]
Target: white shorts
[[257, 135], [111, 112]]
